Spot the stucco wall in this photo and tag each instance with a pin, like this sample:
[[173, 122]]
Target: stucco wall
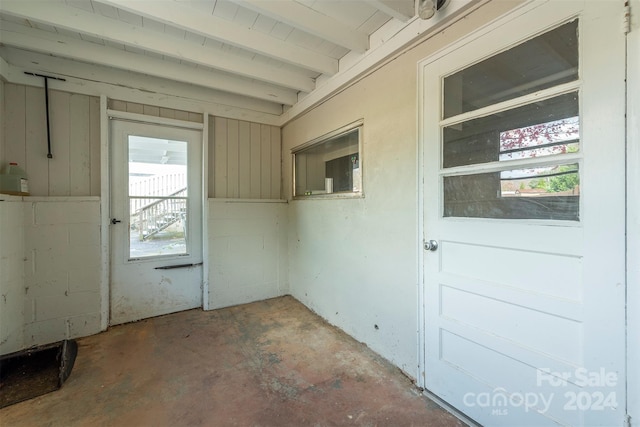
[[354, 261]]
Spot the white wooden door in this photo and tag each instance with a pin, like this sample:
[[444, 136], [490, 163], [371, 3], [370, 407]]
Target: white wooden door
[[156, 226], [523, 143]]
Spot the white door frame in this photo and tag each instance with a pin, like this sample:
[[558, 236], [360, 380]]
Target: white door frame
[[632, 403], [105, 210], [633, 214], [105, 195]]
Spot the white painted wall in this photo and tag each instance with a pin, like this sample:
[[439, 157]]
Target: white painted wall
[[354, 261], [11, 274], [247, 251]]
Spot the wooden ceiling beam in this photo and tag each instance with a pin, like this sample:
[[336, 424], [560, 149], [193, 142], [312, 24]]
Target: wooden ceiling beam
[[189, 19], [402, 10], [310, 21], [74, 19], [16, 35]]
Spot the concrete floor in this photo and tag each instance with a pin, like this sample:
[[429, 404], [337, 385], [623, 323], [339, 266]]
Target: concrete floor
[[271, 363]]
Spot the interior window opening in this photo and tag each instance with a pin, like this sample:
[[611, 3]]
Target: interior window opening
[[330, 165]]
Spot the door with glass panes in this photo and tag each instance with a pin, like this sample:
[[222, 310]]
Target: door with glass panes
[[524, 286], [156, 220]]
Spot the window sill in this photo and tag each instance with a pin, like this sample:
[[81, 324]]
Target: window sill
[[359, 195]]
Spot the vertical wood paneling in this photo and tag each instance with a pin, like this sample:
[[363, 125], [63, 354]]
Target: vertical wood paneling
[[132, 107], [60, 133], [275, 162], [80, 151], [151, 110], [211, 160], [196, 117], [233, 190], [167, 113], [244, 159], [155, 111], [94, 145], [256, 166], [15, 108], [115, 104], [220, 159], [265, 157], [37, 164], [75, 140], [181, 115]]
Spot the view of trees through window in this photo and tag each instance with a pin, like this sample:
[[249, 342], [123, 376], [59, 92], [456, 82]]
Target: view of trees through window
[[555, 137], [516, 160]]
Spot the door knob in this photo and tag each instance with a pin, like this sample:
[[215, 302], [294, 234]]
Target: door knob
[[115, 221], [430, 245]]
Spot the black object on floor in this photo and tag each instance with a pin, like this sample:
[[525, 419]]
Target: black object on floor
[[36, 371]]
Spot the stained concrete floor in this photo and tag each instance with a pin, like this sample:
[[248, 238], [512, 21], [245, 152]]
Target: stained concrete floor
[[271, 363]]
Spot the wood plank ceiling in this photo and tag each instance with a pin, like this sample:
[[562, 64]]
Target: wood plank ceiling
[[273, 51]]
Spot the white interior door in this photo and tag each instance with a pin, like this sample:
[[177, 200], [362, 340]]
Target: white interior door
[[156, 226], [524, 298]]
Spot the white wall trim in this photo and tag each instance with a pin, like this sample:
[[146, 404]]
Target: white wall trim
[[143, 118], [41, 199], [205, 212], [633, 215], [227, 200], [421, 327], [105, 211]]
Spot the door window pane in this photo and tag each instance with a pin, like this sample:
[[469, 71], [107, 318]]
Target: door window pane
[[157, 197], [547, 127], [540, 63], [544, 139], [538, 129], [551, 192]]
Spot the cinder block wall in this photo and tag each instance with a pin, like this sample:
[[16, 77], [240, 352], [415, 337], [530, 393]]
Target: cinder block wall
[[62, 269], [49, 270], [11, 274]]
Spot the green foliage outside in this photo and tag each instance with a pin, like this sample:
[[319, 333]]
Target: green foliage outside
[[559, 183]]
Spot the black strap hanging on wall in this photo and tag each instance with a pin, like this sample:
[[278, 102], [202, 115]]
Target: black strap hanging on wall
[[46, 100]]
